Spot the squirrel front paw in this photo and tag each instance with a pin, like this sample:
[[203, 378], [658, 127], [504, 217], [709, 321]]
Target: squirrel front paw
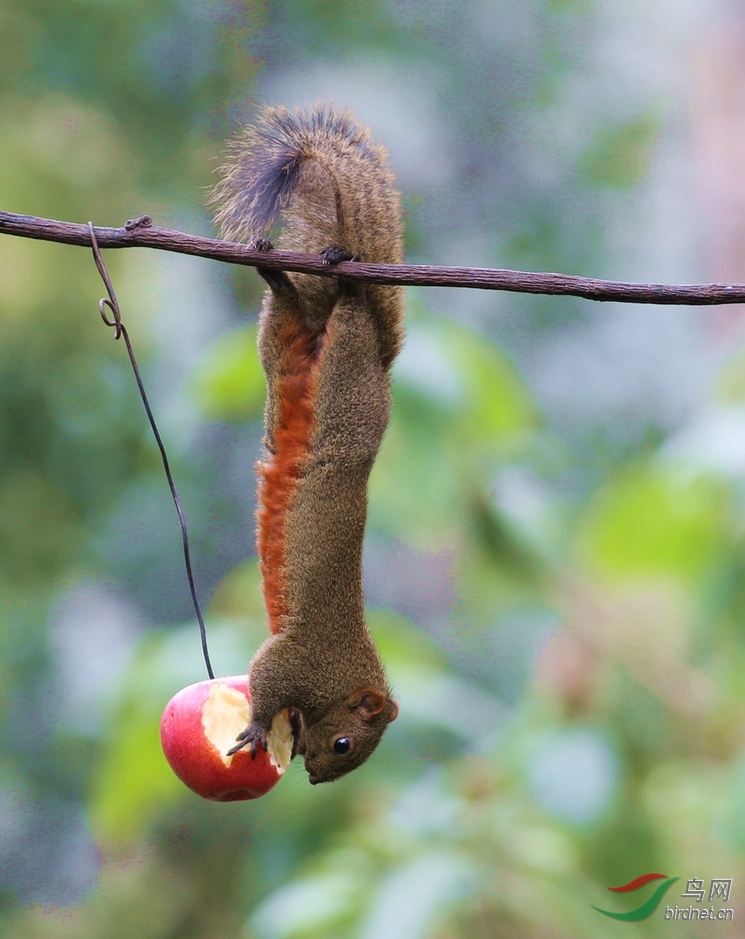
[[253, 735]]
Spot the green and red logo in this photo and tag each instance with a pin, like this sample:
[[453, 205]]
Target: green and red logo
[[649, 905]]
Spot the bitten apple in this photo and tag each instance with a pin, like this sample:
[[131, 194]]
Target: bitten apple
[[200, 724]]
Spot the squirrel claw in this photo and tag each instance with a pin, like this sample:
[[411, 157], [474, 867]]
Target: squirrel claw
[[263, 245], [334, 255], [253, 735]]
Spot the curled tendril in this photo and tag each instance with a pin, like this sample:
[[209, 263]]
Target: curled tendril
[[111, 302], [116, 323]]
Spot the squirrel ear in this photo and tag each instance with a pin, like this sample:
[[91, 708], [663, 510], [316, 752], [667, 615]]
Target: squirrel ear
[[369, 703], [392, 709]]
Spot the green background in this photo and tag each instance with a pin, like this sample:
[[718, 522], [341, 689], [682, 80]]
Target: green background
[[554, 560]]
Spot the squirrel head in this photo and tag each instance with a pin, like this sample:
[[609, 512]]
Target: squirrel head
[[346, 735]]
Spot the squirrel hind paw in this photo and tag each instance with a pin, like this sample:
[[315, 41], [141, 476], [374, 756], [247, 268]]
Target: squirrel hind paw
[[334, 255], [276, 279], [252, 736]]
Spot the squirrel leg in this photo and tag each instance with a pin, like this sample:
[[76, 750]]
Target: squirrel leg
[[276, 279], [285, 346], [352, 403], [267, 698]]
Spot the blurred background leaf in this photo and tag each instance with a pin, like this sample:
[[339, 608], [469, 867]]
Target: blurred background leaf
[[229, 384]]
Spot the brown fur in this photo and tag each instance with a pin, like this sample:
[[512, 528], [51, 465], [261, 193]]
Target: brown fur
[[326, 348]]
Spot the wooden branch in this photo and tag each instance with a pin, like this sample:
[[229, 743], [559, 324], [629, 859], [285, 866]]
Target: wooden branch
[[140, 233]]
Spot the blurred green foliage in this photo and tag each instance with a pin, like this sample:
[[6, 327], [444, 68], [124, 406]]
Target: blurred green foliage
[[229, 385], [647, 521], [620, 155], [570, 668]]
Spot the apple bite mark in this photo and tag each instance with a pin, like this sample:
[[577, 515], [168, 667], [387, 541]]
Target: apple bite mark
[[227, 711], [224, 715], [280, 742]]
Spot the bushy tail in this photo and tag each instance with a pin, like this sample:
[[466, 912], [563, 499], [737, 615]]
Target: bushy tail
[[260, 172], [323, 158], [317, 178]]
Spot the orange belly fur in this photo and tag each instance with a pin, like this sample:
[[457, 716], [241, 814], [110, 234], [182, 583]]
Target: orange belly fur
[[279, 474]]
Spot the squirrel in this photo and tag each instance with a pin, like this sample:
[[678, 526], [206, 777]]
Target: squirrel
[[326, 345]]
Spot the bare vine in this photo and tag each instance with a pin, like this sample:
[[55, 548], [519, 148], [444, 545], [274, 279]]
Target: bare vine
[[141, 233]]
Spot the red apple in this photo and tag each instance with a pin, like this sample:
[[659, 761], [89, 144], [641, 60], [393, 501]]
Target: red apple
[[199, 726]]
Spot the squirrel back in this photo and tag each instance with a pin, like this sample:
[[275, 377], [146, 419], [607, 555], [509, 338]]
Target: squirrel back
[[318, 177]]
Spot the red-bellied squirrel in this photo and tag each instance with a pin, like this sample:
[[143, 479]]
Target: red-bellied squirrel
[[326, 345]]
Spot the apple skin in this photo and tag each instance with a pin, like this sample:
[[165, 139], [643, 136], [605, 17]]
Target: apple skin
[[198, 762]]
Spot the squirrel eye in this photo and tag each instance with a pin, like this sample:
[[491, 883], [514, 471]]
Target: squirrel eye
[[341, 745]]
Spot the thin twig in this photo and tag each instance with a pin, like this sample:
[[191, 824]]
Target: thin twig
[[139, 233]]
